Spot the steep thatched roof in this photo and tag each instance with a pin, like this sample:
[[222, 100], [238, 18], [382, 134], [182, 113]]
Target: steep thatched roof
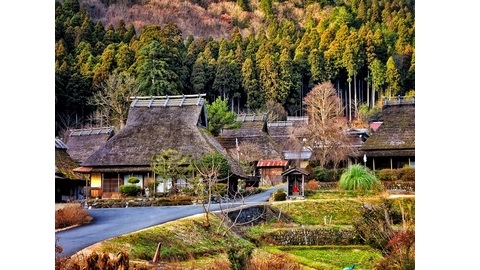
[[254, 130], [153, 125], [64, 164], [396, 135], [84, 142]]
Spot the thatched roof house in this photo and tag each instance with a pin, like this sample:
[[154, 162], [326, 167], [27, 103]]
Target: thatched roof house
[[84, 142], [154, 124], [68, 184], [253, 131], [392, 145], [282, 131]]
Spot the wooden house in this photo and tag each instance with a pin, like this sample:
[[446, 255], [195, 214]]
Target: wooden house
[[69, 185], [84, 142], [270, 171], [392, 145], [154, 124], [295, 178]]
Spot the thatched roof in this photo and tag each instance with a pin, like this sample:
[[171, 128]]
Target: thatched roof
[[84, 142], [64, 164], [282, 131], [155, 124], [254, 130], [396, 135]]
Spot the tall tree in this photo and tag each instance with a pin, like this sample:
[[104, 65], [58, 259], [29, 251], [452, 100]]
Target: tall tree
[[325, 131], [198, 77], [392, 77], [153, 73], [378, 70], [251, 86]]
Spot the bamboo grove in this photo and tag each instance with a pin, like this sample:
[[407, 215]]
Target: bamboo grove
[[366, 48]]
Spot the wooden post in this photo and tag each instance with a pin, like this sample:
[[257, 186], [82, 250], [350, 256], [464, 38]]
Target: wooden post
[[156, 257]]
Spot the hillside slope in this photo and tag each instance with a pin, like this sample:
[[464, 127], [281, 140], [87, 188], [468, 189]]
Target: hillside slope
[[208, 18]]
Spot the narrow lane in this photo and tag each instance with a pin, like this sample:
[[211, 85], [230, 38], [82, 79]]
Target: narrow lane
[[113, 222]]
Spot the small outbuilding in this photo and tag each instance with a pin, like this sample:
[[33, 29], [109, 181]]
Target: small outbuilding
[[295, 178], [270, 171]]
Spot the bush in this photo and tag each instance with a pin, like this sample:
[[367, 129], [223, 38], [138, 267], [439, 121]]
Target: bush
[[401, 252], [129, 190], [327, 175], [280, 195], [358, 177], [70, 215], [407, 174], [239, 257], [312, 185], [320, 174], [133, 180], [387, 175]]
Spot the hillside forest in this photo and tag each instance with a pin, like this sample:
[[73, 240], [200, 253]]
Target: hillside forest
[[255, 54]]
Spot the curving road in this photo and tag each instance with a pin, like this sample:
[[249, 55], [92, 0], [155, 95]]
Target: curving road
[[112, 222]]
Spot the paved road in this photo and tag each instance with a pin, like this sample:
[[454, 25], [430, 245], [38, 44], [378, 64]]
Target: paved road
[[112, 222]]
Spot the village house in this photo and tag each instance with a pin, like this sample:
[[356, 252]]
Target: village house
[[270, 171], [250, 143], [392, 142], [154, 124], [82, 143], [69, 185]]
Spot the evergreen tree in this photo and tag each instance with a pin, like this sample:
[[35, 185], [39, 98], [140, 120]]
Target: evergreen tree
[[251, 86], [198, 77], [392, 78], [219, 116], [153, 74]]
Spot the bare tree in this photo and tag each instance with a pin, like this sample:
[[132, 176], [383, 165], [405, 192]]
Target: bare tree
[[325, 134], [246, 153], [212, 168], [273, 110], [114, 96]]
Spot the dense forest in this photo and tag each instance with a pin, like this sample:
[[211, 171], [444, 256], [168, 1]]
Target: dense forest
[[254, 53]]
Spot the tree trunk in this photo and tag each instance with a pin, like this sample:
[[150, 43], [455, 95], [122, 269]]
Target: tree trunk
[[349, 99]]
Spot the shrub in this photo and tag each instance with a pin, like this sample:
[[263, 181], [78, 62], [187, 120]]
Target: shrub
[[239, 257], [279, 195], [387, 175], [357, 177], [219, 189], [401, 252], [133, 180], [312, 185], [70, 215], [327, 175], [407, 174], [129, 190], [373, 226], [320, 173]]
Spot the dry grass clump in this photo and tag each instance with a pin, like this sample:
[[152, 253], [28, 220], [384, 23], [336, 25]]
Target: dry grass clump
[[70, 215], [97, 261]]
